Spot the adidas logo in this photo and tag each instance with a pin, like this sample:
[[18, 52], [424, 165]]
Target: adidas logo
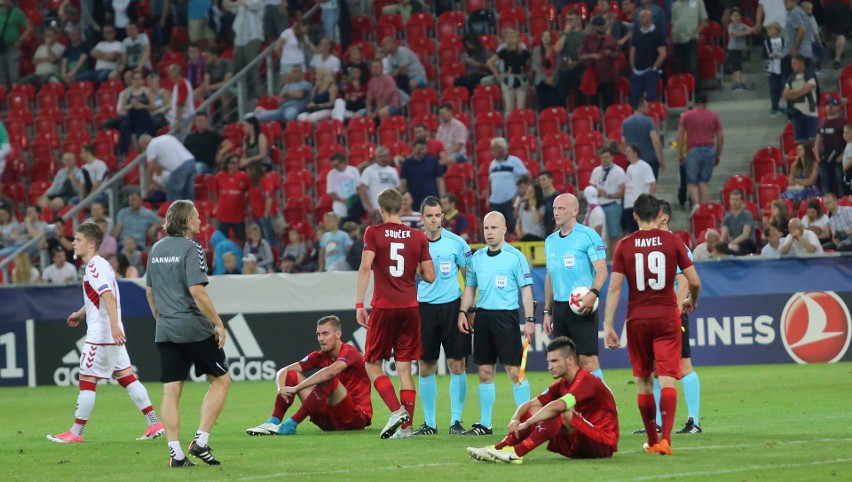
[[69, 373], [245, 357]]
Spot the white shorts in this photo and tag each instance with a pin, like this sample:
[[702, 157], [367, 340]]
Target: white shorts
[[101, 361]]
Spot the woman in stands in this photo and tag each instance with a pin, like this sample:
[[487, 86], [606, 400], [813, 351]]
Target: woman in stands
[[292, 45], [515, 59], [24, 273], [530, 226], [778, 217], [122, 267], [802, 181], [255, 145], [354, 91], [260, 248], [475, 58], [138, 103], [323, 102], [544, 69]]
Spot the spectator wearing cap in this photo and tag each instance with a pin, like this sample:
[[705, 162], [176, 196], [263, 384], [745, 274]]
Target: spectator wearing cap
[[647, 54], [688, 18], [250, 265], [60, 271], [704, 141], [503, 173], [800, 241], [600, 50], [829, 147], [595, 217]]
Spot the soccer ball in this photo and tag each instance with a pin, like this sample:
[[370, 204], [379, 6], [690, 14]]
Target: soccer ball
[[576, 296]]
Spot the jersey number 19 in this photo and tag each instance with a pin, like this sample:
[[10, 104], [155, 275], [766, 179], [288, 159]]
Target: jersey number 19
[[656, 266], [395, 255]]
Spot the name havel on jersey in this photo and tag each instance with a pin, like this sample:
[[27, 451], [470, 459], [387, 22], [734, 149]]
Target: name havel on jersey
[[647, 242]]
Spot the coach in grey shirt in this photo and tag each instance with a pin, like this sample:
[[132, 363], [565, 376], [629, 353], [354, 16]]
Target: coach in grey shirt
[[189, 331]]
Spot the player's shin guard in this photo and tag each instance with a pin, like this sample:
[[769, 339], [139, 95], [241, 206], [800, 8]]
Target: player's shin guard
[[282, 404], [521, 392], [648, 412], [408, 398], [85, 404], [428, 398], [542, 432], [657, 400], [668, 405], [386, 391], [140, 397], [458, 393], [692, 394], [487, 395]]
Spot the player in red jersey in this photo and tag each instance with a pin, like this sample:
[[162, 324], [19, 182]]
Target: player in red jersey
[[396, 253], [649, 259], [337, 397], [576, 415], [231, 185]]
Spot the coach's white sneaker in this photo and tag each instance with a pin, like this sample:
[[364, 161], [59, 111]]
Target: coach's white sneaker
[[266, 428], [397, 418], [403, 433], [481, 453]]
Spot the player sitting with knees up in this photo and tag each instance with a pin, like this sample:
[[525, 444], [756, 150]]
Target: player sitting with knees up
[[337, 397], [104, 355], [576, 415]]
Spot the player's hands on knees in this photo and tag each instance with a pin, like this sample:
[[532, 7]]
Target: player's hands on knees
[[515, 427], [74, 319], [361, 316], [286, 392], [220, 336], [687, 306], [118, 336], [611, 339], [464, 326]]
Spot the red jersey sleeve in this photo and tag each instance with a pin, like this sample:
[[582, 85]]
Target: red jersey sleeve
[[370, 239], [555, 391], [311, 361], [349, 355], [617, 263], [683, 260]]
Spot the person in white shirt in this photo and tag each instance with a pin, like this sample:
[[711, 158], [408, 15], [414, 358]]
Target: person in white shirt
[[709, 248], [323, 57], [137, 51], [638, 179], [94, 173], [608, 178], [46, 59], [292, 44], [342, 183], [108, 54], [60, 271], [182, 108], [773, 243], [168, 152], [595, 217], [800, 241], [817, 221], [376, 178]]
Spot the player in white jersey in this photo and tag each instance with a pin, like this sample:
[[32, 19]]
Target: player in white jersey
[[104, 355]]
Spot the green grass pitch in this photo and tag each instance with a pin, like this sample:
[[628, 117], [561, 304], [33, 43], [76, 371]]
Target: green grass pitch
[[762, 423]]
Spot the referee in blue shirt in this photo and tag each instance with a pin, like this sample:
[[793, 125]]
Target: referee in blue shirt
[[576, 256], [439, 305], [500, 272]]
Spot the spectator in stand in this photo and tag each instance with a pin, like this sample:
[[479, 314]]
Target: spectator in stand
[[835, 17], [222, 248], [382, 94], [640, 129], [421, 175], [374, 179], [333, 245], [9, 226], [248, 36], [548, 195], [521, 184], [778, 217], [529, 226], [137, 102], [122, 267], [109, 246], [162, 101], [255, 144], [182, 107], [15, 235], [840, 222], [408, 215], [56, 238], [608, 179], [772, 248], [800, 241], [802, 180], [197, 15], [737, 32], [356, 61], [403, 8], [259, 248], [817, 221], [356, 249], [98, 213], [798, 38], [453, 134], [67, 184], [709, 247], [94, 174], [689, 17], [513, 79], [287, 264], [769, 12], [818, 49], [801, 93], [230, 186], [434, 147], [544, 72], [773, 52], [263, 200], [503, 173], [296, 248], [24, 273], [475, 58], [454, 220], [342, 183], [323, 102], [136, 55], [324, 56], [628, 13], [107, 54], [829, 147], [250, 265], [354, 91], [207, 146], [638, 179], [738, 226], [131, 251], [600, 50], [847, 160], [291, 45], [595, 217], [217, 73], [15, 29], [47, 59], [330, 13], [230, 263], [293, 97], [658, 16], [405, 67], [75, 58], [60, 271], [647, 54], [704, 141], [136, 221], [194, 68], [167, 152]]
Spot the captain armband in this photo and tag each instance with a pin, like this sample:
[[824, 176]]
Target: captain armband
[[569, 400]]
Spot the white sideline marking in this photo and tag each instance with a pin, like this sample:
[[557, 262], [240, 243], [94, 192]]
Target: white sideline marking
[[738, 469], [340, 471], [789, 442]]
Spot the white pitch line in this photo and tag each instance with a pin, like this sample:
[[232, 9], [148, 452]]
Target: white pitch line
[[340, 471], [787, 442], [731, 471]]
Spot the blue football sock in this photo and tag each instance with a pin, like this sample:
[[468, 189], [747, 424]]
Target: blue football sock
[[288, 427], [428, 398], [521, 392], [692, 394], [657, 400], [458, 393], [598, 373], [274, 420], [487, 395]]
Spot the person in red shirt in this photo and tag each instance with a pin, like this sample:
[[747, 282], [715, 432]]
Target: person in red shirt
[[576, 415], [396, 253], [648, 259], [230, 187], [263, 200], [336, 397]]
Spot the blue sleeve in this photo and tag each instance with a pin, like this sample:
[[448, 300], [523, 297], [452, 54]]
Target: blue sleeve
[[596, 249], [522, 271], [462, 253], [470, 279]]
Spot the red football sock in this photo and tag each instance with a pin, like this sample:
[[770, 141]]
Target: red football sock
[[408, 397], [281, 405], [648, 412], [668, 405], [313, 403], [386, 391], [541, 433], [510, 439]]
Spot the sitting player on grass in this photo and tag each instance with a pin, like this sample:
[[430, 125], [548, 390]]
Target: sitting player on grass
[[576, 415], [337, 397]]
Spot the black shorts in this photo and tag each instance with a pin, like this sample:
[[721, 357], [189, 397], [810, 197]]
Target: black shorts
[[735, 60], [238, 228], [497, 335], [583, 330], [835, 17], [685, 351], [439, 326], [176, 358]]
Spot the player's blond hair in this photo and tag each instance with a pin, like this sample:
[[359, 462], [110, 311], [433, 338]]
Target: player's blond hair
[[390, 200], [92, 232], [177, 217], [330, 320]]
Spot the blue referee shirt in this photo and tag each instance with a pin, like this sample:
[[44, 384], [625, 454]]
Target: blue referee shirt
[[569, 259], [449, 253], [499, 275]]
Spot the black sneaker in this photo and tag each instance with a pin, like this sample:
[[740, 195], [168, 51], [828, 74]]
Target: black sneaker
[[184, 462], [203, 453], [426, 430], [477, 429], [690, 427], [457, 429], [641, 431]]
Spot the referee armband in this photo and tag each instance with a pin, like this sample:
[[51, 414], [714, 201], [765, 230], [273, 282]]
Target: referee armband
[[569, 400]]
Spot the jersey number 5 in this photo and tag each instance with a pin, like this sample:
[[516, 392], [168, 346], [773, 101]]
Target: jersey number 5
[[395, 255], [656, 266]]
